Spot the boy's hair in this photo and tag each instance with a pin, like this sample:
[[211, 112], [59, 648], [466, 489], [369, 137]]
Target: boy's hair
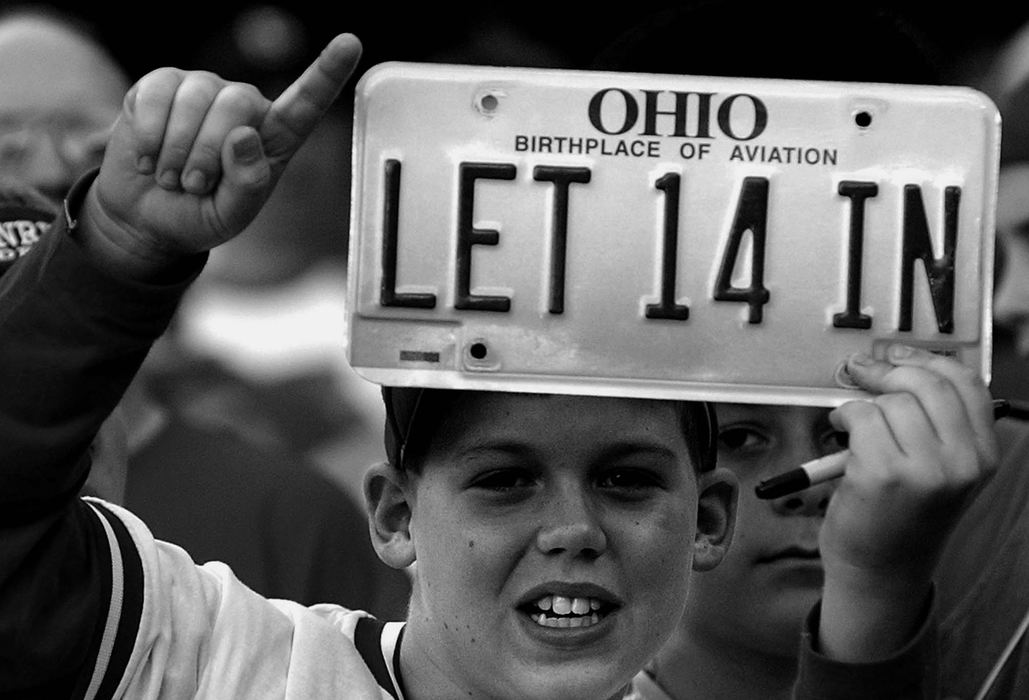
[[413, 413]]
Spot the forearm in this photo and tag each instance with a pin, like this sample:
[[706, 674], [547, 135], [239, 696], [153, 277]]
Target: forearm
[[908, 672], [73, 337], [865, 618]]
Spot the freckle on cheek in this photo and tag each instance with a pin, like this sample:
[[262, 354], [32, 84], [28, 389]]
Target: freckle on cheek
[[471, 544]]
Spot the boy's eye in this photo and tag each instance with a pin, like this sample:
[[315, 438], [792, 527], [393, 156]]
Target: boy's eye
[[735, 438], [503, 479], [629, 478]]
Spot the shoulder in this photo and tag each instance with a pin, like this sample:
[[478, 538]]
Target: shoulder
[[199, 627]]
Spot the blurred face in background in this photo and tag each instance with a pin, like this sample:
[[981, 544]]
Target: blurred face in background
[[61, 94]]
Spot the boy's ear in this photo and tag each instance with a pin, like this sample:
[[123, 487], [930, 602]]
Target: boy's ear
[[389, 515], [718, 492]]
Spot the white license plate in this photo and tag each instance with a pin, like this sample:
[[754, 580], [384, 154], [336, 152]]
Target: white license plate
[[663, 236]]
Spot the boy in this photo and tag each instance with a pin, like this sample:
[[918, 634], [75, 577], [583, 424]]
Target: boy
[[553, 534]]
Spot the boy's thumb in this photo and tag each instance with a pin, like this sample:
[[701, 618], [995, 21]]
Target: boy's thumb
[[246, 182], [246, 147]]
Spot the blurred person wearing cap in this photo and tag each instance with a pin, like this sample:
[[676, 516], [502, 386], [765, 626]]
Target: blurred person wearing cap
[[554, 535], [170, 452], [738, 637]]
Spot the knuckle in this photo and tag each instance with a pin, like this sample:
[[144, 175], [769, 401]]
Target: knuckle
[[243, 94], [938, 384], [173, 154], [204, 155], [162, 75], [900, 401], [198, 94]]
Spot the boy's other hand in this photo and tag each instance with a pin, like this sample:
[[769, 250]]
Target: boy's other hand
[[919, 450], [193, 157]]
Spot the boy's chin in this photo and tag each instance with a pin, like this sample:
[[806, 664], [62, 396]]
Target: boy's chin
[[593, 688]]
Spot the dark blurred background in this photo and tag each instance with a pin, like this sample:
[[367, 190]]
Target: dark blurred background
[[187, 32]]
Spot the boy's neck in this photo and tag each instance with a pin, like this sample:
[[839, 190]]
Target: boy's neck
[[691, 667]]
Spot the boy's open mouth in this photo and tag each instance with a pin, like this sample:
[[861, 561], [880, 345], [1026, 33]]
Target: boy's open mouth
[[566, 611]]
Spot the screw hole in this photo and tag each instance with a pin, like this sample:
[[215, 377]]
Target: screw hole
[[477, 350], [843, 378], [863, 119], [489, 103]]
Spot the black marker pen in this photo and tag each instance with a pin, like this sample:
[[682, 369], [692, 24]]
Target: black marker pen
[[828, 467]]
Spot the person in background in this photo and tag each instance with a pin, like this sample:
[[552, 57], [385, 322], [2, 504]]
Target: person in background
[[62, 91], [200, 480]]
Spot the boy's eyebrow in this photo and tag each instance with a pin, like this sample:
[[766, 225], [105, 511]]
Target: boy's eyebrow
[[629, 449], [616, 450]]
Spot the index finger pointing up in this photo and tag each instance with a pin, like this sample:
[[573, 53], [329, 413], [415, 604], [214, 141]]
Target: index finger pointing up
[[296, 112]]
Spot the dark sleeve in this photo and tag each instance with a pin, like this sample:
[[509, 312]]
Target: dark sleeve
[[911, 674], [71, 339]]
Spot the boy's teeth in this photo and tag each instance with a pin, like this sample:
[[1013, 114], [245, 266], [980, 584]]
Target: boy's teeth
[[563, 605], [544, 621]]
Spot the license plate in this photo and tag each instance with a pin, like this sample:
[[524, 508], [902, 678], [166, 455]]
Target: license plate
[[663, 236]]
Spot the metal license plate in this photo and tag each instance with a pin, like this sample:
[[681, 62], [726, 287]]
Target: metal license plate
[[663, 236]]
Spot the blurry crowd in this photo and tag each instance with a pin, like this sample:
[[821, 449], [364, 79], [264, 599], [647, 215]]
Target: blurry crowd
[[249, 391]]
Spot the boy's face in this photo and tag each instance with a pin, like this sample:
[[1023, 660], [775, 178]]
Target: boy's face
[[554, 537], [772, 575]]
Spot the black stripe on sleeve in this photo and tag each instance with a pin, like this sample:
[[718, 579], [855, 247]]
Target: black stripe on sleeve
[[367, 639], [131, 609], [103, 573]]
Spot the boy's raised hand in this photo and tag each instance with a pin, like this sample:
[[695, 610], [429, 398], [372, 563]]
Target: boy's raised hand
[[919, 450], [193, 157]]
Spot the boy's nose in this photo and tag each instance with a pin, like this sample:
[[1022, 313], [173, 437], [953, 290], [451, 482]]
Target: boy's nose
[[571, 527]]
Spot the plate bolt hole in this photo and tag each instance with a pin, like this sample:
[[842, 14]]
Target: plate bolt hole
[[843, 377], [863, 119], [477, 350], [489, 103]]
